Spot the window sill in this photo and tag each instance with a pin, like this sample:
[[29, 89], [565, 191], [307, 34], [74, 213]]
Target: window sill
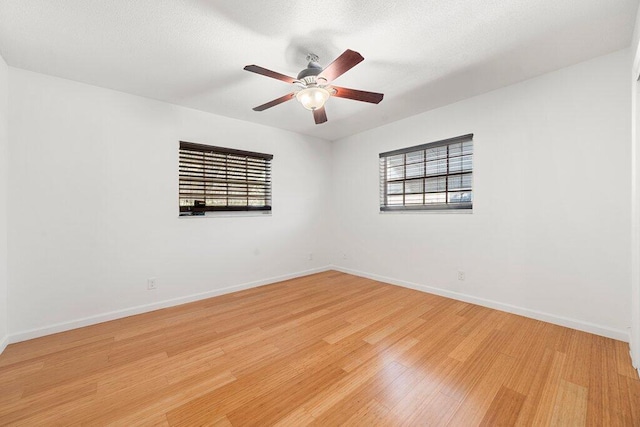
[[231, 214], [428, 212]]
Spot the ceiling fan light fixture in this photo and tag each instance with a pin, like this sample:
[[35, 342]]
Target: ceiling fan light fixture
[[313, 98]]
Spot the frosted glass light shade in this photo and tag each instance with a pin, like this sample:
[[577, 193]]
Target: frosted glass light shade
[[313, 98]]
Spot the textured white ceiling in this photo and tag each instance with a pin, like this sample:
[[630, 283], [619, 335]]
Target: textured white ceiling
[[421, 54]]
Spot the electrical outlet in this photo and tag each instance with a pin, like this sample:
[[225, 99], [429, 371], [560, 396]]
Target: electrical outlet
[[151, 283], [344, 255], [310, 256], [461, 275]]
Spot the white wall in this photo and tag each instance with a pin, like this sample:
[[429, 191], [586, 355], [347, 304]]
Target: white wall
[[635, 198], [635, 42], [549, 235], [4, 176], [94, 206]]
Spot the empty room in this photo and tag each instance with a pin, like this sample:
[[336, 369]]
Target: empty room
[[376, 213]]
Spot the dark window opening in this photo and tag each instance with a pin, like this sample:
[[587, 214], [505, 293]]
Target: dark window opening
[[223, 179]]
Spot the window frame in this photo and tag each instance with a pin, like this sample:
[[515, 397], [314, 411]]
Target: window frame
[[260, 162], [444, 206]]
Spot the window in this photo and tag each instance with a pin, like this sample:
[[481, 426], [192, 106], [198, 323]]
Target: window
[[434, 176], [223, 179]]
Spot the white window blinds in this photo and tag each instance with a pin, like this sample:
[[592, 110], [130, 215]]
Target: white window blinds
[[437, 175]]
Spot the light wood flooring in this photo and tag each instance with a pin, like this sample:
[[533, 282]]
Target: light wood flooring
[[327, 349]]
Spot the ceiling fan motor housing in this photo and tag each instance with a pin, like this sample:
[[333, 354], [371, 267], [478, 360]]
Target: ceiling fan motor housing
[[312, 70]]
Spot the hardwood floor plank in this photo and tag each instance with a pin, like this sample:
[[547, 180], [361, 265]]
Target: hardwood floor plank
[[16, 373], [232, 396], [123, 376], [371, 414], [410, 403], [437, 338], [349, 406], [623, 360], [570, 408], [533, 364], [340, 334], [165, 399], [630, 391], [353, 353], [578, 359], [155, 420], [403, 318], [271, 407], [483, 393], [474, 369], [325, 349], [550, 390], [470, 344], [525, 337], [400, 388], [319, 403], [531, 382], [435, 410], [35, 403], [504, 409]]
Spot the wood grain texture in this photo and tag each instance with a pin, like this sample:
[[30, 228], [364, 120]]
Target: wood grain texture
[[326, 349]]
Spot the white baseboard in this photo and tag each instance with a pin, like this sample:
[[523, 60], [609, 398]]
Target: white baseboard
[[593, 328], [118, 314], [4, 342], [634, 363]]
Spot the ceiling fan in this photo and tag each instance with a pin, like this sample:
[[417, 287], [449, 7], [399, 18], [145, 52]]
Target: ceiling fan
[[313, 84]]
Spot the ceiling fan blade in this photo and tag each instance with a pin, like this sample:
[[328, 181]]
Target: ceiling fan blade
[[358, 95], [274, 102], [320, 115], [341, 65], [263, 71]]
